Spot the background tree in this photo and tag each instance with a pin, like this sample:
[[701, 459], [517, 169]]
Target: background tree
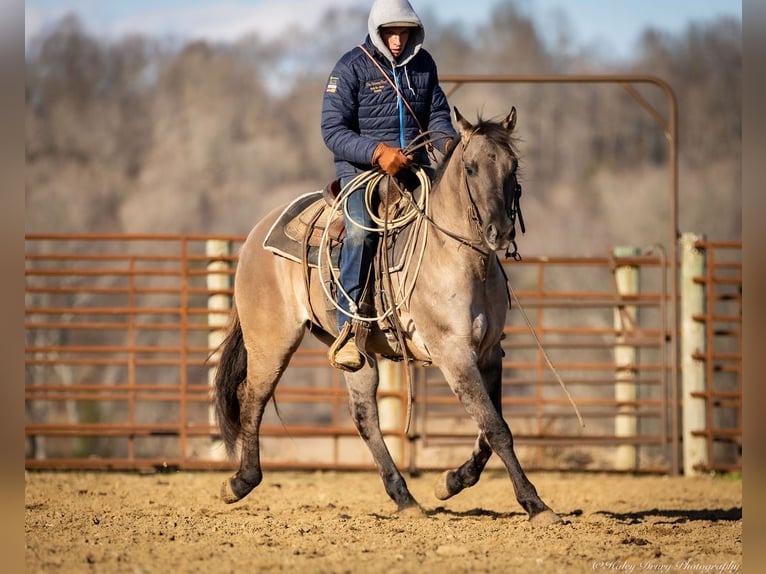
[[213, 135]]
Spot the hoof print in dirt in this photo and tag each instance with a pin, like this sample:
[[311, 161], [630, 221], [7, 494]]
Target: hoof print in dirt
[[411, 512]]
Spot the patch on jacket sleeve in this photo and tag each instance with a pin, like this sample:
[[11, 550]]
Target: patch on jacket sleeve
[[332, 85]]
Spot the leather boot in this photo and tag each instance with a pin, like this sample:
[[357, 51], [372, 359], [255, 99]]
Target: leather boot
[[343, 353]]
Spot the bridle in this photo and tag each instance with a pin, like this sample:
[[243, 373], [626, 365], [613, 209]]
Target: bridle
[[512, 209]]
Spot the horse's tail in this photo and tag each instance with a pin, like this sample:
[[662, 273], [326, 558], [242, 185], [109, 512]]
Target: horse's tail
[[231, 372]]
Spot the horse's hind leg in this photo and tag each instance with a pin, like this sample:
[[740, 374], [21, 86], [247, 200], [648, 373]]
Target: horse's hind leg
[[362, 387], [265, 366]]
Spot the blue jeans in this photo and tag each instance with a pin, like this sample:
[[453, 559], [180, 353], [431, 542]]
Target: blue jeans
[[357, 253]]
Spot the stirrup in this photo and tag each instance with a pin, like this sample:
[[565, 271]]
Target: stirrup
[[343, 353]]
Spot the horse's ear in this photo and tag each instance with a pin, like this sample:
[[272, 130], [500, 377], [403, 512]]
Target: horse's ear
[[463, 125], [510, 122]]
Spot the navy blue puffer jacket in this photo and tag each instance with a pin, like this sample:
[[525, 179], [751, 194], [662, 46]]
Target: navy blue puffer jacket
[[360, 107]]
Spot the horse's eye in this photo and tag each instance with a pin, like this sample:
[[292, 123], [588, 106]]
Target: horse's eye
[[470, 169]]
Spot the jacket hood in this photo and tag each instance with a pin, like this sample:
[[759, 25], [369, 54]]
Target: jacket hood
[[399, 11]]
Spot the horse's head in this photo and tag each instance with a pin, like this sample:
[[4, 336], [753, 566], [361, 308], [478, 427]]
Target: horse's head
[[489, 164]]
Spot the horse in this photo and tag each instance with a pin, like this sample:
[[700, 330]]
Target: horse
[[454, 318]]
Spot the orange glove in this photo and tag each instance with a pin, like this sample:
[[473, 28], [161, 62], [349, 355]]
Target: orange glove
[[390, 159]]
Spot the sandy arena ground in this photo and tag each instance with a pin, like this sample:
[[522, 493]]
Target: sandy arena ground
[[344, 522]]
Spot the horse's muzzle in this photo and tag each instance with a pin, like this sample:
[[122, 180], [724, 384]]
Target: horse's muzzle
[[495, 239]]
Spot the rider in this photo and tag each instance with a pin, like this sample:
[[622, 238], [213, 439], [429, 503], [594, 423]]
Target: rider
[[365, 124]]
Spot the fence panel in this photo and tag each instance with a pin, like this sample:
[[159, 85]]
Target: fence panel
[[721, 356], [119, 330], [602, 340]]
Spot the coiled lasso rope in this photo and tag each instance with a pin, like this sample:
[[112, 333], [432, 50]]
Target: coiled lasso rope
[[414, 210]]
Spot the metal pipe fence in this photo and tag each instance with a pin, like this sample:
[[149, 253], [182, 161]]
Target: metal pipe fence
[[119, 354], [721, 319]]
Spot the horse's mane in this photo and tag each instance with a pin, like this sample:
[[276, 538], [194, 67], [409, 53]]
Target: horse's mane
[[493, 130], [442, 167]]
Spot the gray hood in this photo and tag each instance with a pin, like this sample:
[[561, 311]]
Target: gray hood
[[387, 12]]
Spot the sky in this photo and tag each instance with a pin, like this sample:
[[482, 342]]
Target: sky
[[614, 26]]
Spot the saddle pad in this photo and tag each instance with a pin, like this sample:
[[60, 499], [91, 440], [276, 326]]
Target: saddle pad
[[285, 238]]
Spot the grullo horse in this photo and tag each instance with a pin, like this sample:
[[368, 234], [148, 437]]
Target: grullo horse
[[453, 317]]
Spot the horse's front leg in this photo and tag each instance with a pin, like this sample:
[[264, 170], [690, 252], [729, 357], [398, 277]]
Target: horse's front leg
[[452, 482], [362, 388], [464, 378]]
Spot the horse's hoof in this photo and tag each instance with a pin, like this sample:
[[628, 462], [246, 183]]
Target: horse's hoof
[[227, 494], [441, 487], [545, 518], [410, 512]]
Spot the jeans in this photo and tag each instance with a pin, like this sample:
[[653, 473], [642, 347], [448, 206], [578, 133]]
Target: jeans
[[357, 253]]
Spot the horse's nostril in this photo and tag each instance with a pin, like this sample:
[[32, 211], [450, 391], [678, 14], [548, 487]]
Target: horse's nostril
[[491, 233]]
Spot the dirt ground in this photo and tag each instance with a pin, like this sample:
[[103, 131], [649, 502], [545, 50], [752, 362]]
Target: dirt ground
[[343, 522]]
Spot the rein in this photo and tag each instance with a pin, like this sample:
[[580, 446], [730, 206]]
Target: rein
[[475, 245], [512, 294]]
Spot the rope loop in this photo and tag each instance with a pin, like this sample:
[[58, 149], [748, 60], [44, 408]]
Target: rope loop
[[414, 209]]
